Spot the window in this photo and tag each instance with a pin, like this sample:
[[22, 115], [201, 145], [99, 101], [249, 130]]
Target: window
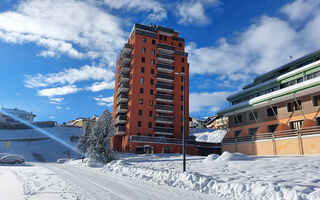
[[299, 80], [150, 135], [182, 69], [150, 125], [237, 133], [152, 71], [151, 102], [152, 61], [150, 113], [181, 97], [151, 81], [180, 44], [181, 78], [141, 80], [143, 50], [140, 101], [153, 52], [318, 121], [253, 115], [153, 41], [141, 90], [151, 91], [182, 60], [181, 88], [271, 112], [142, 69], [272, 128], [160, 37], [237, 119], [293, 106], [182, 108], [165, 38], [284, 85], [140, 112], [139, 124], [143, 59], [252, 131], [138, 134], [296, 124], [144, 40], [316, 100]]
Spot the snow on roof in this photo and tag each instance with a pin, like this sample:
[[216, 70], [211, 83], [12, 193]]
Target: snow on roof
[[198, 119], [17, 111], [208, 134]]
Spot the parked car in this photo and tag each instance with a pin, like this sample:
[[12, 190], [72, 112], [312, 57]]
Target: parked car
[[11, 159]]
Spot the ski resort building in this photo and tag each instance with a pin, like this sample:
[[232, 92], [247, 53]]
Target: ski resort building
[[279, 113], [24, 115], [149, 92]]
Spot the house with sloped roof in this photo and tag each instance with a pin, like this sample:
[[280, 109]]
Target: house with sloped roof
[[9, 115]]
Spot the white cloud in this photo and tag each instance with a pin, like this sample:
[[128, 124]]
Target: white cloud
[[58, 91], [207, 101], [70, 76], [59, 107], [52, 117], [193, 12], [268, 43], [104, 101], [56, 100], [78, 29], [98, 86], [300, 10], [156, 8]]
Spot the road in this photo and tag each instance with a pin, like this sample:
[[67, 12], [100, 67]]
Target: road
[[98, 185]]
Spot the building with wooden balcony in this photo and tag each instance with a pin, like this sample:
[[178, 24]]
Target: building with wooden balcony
[[148, 97], [278, 113]]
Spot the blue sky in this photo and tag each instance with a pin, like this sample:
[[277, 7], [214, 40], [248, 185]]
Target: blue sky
[[58, 57]]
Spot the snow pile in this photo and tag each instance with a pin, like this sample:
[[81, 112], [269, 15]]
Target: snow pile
[[208, 135], [46, 150], [227, 156], [231, 176], [211, 157]]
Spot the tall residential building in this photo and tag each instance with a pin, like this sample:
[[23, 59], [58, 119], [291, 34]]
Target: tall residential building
[[279, 112], [148, 96]]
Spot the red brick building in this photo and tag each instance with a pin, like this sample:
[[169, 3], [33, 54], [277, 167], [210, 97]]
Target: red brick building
[[148, 97]]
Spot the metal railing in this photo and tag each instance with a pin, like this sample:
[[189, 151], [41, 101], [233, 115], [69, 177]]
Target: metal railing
[[164, 86], [165, 56], [163, 129], [165, 76], [163, 118], [166, 67], [164, 46], [163, 107], [163, 96]]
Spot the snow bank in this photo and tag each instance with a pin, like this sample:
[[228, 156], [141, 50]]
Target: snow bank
[[208, 135], [231, 176], [227, 156]]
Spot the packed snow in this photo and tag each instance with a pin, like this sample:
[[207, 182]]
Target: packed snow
[[231, 176], [208, 134]]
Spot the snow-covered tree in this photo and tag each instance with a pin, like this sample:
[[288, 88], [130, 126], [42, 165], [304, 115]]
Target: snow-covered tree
[[99, 139], [83, 143]]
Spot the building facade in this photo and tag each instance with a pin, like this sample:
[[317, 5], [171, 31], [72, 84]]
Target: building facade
[[26, 116], [196, 122], [148, 97], [218, 122], [279, 113], [79, 122]]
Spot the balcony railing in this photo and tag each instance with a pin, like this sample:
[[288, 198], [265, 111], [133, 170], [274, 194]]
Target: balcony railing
[[165, 68], [163, 130], [121, 119], [123, 87], [124, 77], [166, 49], [120, 130], [127, 48], [315, 130], [164, 87], [163, 108], [165, 58], [122, 98], [164, 98], [163, 119], [122, 108], [167, 78], [124, 67]]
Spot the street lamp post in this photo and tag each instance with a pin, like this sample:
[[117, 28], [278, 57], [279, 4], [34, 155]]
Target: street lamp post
[[183, 121]]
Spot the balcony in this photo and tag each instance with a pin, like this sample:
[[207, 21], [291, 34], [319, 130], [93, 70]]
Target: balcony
[[122, 108], [164, 98], [122, 98], [164, 108], [124, 68], [167, 78], [165, 58], [164, 87], [163, 130], [127, 48], [165, 68], [125, 58], [163, 119], [123, 87], [165, 49], [121, 119], [120, 130], [124, 77]]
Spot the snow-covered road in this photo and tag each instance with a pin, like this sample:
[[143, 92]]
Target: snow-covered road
[[95, 184]]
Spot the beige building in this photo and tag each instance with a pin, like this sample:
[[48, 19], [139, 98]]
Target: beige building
[[80, 121]]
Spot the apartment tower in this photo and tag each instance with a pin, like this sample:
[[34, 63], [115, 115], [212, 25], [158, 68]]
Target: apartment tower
[[149, 92]]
